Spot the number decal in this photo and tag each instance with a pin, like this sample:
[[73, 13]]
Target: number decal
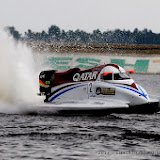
[[90, 87]]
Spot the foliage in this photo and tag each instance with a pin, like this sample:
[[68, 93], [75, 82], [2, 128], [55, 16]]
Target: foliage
[[55, 34], [16, 35]]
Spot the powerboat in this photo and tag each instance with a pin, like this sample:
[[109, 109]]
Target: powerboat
[[102, 89]]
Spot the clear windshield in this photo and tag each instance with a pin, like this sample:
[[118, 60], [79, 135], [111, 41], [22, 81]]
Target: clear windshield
[[117, 76], [107, 77], [121, 76]]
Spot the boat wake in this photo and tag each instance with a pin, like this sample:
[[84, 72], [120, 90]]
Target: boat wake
[[18, 82]]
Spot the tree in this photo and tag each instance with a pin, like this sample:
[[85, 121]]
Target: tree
[[44, 36], [63, 36], [97, 36], [16, 35], [28, 35], [54, 33]]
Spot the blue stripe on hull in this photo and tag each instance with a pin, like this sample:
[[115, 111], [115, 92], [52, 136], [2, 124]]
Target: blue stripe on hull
[[53, 98], [142, 94]]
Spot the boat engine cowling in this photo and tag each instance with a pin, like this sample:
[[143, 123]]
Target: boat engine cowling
[[46, 79]]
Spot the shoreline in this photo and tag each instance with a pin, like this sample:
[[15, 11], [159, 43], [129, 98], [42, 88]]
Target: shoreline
[[123, 49]]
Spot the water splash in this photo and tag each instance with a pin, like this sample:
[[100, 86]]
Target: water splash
[[18, 75]]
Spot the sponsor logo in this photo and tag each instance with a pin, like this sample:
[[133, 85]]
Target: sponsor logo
[[105, 91], [47, 82], [42, 76], [98, 91], [156, 61], [85, 76]]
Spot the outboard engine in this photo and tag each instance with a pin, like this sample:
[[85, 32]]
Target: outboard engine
[[46, 79]]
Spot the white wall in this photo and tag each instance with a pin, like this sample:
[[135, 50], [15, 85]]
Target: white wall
[[140, 63]]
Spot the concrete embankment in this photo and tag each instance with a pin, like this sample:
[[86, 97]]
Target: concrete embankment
[[141, 58]]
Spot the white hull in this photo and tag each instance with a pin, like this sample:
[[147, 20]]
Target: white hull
[[107, 89]]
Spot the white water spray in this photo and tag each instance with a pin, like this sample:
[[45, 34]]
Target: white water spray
[[18, 76]]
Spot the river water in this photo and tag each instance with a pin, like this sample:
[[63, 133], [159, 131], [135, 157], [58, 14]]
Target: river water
[[115, 136]]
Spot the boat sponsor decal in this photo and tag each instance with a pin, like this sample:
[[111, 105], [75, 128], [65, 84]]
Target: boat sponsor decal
[[46, 84], [156, 61], [105, 91], [85, 76], [57, 95], [42, 76]]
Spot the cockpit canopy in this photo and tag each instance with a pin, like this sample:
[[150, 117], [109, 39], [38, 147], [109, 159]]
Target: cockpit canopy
[[114, 72], [115, 76]]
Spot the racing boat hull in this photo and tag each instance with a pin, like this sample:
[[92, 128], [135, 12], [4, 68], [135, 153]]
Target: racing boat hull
[[99, 90]]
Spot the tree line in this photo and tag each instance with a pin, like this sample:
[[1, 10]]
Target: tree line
[[55, 34]]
